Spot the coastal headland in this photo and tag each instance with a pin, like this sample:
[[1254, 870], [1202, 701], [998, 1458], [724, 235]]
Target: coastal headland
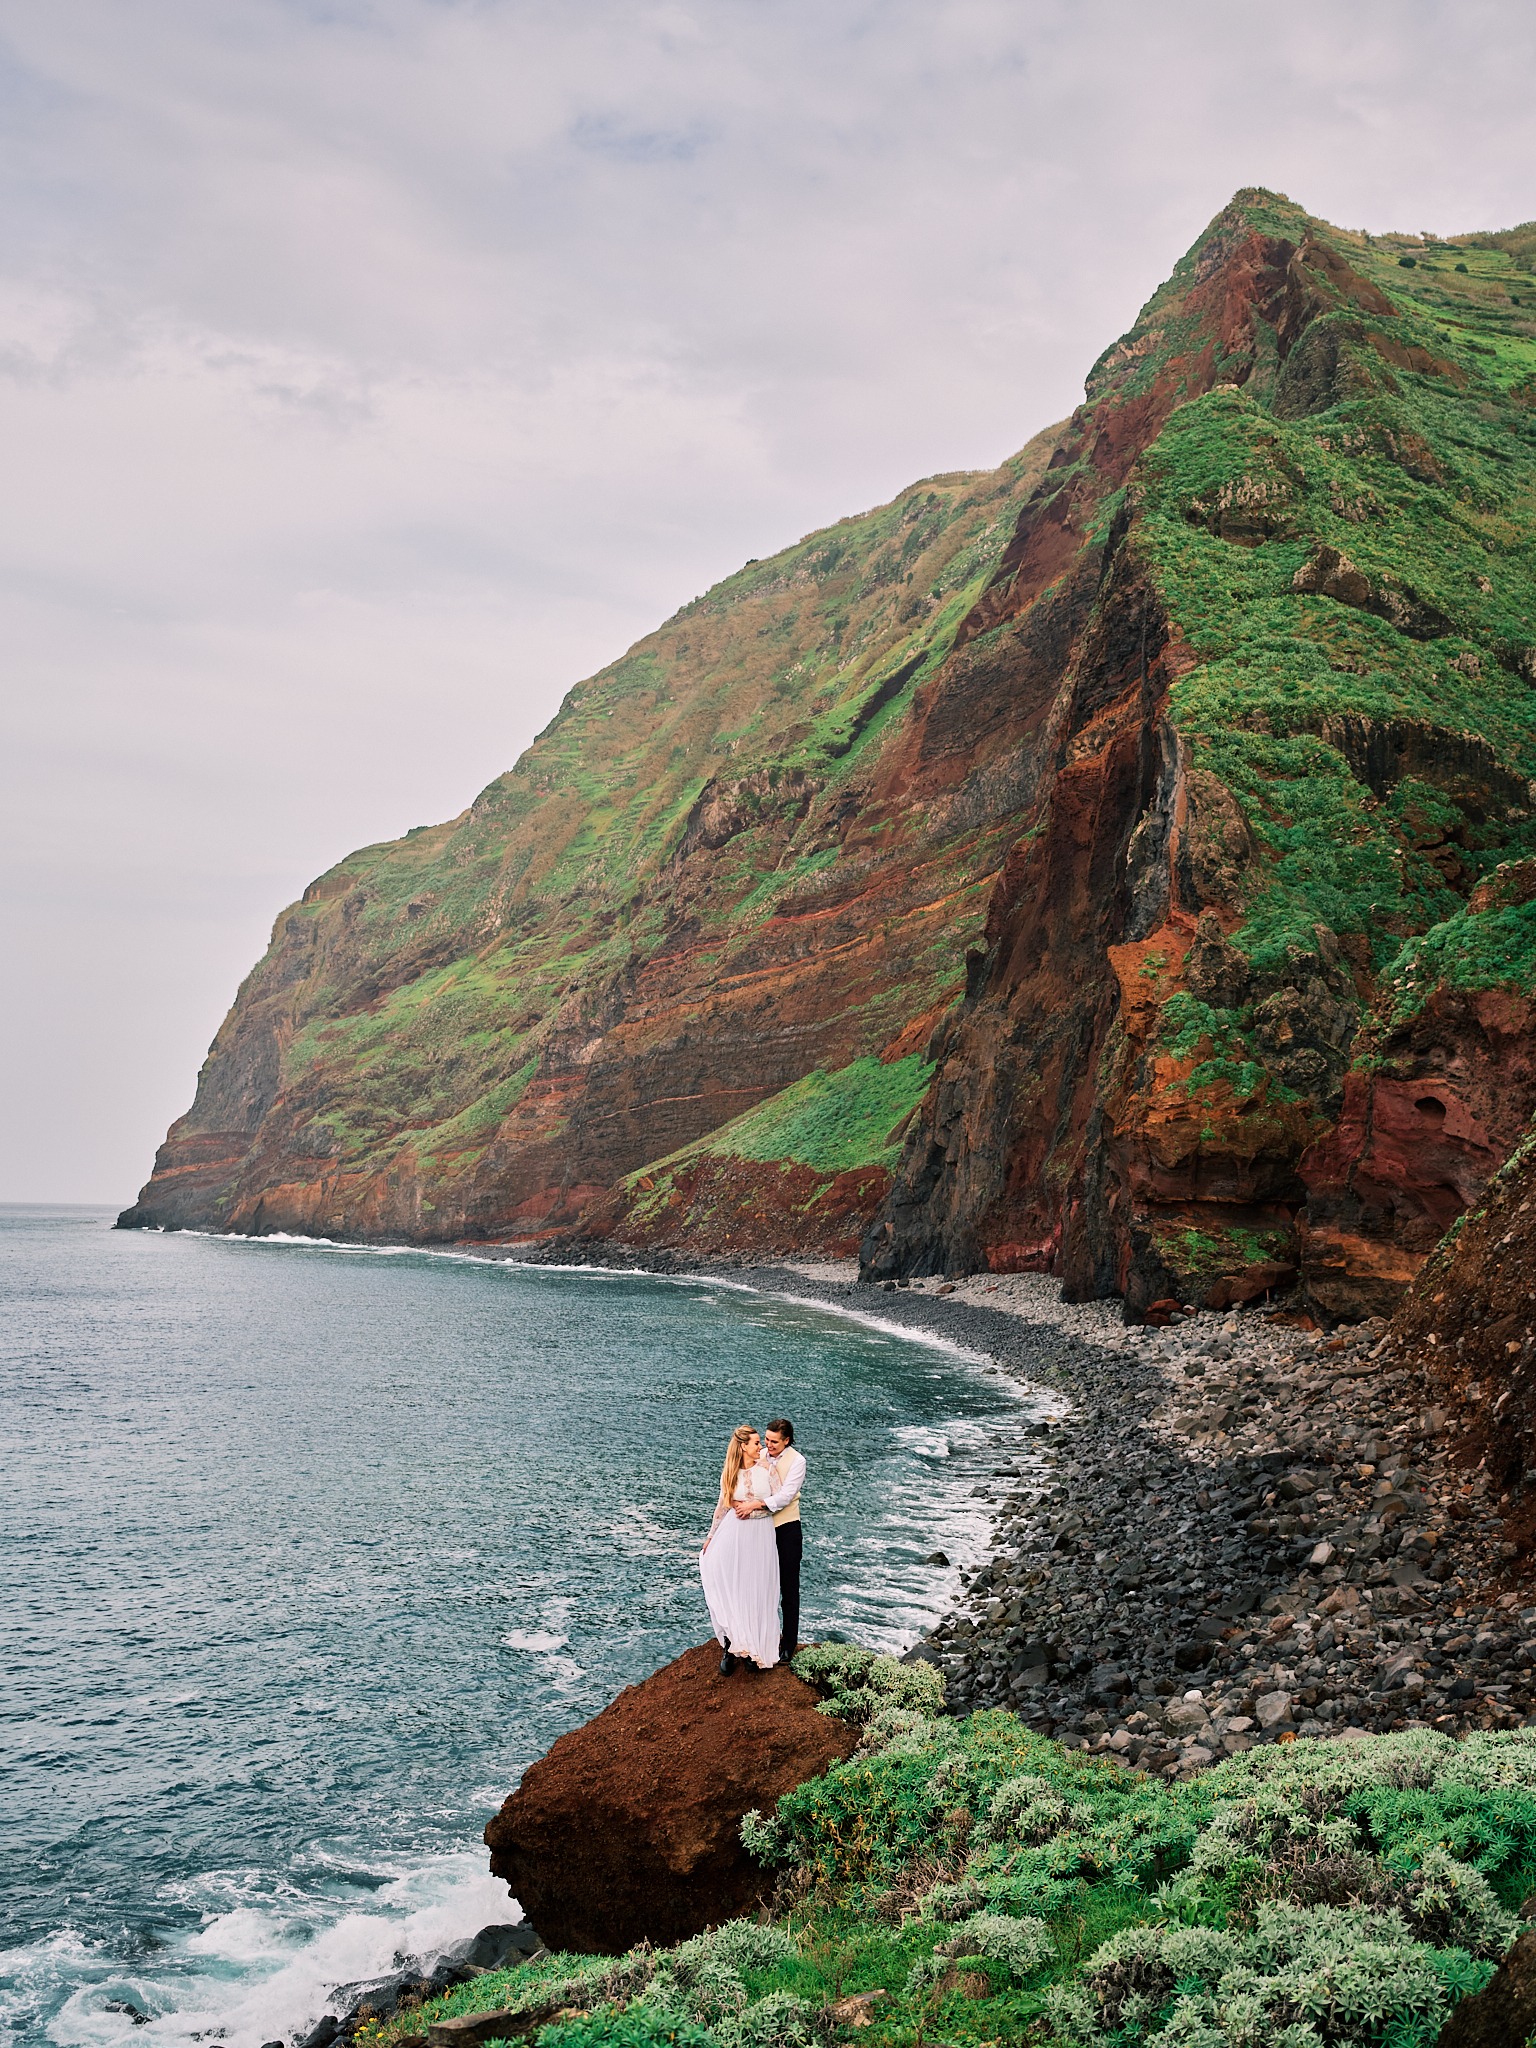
[[1120, 864]]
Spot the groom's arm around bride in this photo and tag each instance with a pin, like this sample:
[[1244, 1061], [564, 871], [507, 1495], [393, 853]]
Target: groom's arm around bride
[[786, 1468]]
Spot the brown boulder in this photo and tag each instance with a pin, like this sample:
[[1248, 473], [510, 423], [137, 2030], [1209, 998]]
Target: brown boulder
[[628, 1830], [1504, 2014]]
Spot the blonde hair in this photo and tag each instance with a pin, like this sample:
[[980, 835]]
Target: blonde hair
[[735, 1450]]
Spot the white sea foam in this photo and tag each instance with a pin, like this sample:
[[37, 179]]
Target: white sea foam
[[534, 1639], [929, 1338], [922, 1441], [510, 1262], [258, 1971]]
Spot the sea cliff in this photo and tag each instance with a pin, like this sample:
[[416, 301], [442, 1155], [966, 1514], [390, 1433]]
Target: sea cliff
[[1121, 864]]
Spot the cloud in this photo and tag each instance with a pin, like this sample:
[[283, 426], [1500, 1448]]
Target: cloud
[[369, 371]]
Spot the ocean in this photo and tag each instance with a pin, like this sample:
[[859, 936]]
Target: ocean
[[310, 1549]]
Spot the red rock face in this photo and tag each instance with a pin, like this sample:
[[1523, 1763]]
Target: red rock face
[[1411, 1152], [629, 1829]]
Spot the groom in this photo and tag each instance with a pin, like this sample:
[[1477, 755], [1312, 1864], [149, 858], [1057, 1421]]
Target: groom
[[786, 1468]]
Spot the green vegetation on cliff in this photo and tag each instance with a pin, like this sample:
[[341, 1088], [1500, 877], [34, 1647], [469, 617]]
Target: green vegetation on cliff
[[1357, 580], [971, 1881], [833, 1123], [783, 1170]]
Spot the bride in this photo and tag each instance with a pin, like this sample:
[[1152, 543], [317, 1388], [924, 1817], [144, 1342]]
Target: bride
[[740, 1560]]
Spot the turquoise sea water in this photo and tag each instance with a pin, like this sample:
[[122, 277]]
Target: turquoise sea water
[[307, 1551]]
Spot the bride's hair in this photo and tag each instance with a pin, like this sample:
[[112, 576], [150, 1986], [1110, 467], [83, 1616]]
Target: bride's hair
[[734, 1452]]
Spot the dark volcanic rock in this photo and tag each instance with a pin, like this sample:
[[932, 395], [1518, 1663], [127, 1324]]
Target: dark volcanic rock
[[628, 1830], [496, 1948]]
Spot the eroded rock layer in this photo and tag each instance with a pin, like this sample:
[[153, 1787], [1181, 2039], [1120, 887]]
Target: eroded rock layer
[[1122, 864], [1470, 1320]]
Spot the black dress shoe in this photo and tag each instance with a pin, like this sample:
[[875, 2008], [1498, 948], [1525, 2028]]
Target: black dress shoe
[[727, 1665]]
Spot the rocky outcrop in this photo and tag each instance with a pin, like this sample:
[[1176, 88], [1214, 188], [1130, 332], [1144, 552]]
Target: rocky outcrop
[[1331, 573], [1470, 1319], [629, 1829], [1505, 2010], [1418, 1137], [1144, 803], [724, 810]]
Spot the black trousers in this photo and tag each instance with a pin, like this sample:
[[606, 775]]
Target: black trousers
[[788, 1538]]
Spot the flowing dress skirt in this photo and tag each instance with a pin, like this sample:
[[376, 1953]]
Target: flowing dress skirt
[[740, 1570]]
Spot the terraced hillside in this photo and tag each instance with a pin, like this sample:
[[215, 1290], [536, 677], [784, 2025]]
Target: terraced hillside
[[1121, 863]]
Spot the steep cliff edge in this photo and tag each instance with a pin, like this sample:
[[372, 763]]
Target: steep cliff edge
[[1470, 1322], [1114, 864], [1255, 997]]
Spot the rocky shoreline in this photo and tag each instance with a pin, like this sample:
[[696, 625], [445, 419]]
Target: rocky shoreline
[[1234, 1530], [1243, 1529], [413, 1982]]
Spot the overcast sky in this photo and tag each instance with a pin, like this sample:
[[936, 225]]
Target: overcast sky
[[370, 370]]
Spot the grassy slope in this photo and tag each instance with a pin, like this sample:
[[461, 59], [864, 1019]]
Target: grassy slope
[[474, 933], [1422, 472], [1338, 1892], [834, 1124]]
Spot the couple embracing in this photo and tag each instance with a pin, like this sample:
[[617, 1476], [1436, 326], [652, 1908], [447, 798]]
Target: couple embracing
[[752, 1556]]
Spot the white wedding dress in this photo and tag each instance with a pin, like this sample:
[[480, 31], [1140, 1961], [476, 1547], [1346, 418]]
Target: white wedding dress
[[740, 1570]]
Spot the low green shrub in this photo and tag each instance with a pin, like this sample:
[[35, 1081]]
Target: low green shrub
[[995, 1886], [781, 2020], [1299, 1979], [1021, 1946], [636, 2026], [952, 1901], [1472, 950], [860, 1684]]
